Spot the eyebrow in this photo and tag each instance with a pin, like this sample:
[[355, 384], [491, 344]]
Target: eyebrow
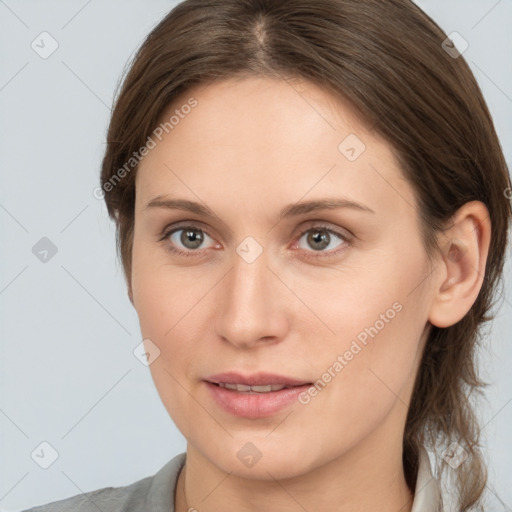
[[288, 211]]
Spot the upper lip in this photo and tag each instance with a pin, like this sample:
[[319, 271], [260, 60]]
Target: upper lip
[[256, 379]]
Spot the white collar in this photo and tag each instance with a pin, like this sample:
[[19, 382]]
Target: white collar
[[427, 497]]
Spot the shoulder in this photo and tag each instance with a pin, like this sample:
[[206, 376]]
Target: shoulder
[[108, 499], [151, 493]]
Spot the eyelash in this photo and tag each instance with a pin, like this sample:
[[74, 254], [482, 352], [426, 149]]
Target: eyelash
[[319, 227]]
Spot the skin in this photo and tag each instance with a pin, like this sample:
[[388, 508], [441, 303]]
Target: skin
[[249, 148]]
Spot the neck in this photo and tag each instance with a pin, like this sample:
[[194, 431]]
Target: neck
[[353, 482]]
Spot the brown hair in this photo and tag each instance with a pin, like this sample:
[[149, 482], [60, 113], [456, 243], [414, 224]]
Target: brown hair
[[385, 57]]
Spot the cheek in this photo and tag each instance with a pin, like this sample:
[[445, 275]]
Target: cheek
[[167, 317], [162, 294], [378, 321], [373, 344], [361, 383], [170, 303]]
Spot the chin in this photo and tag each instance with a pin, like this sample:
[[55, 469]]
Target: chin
[[263, 459]]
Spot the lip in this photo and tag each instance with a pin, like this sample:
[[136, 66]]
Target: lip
[[254, 405], [256, 379]]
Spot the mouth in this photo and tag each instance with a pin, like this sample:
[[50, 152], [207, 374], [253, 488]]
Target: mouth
[[255, 396], [244, 388], [255, 383]]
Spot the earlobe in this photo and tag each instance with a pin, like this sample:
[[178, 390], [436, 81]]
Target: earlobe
[[464, 251]]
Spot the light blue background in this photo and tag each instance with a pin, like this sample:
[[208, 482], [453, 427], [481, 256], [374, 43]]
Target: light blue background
[[67, 372]]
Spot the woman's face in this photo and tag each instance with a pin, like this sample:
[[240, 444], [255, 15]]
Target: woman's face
[[336, 299]]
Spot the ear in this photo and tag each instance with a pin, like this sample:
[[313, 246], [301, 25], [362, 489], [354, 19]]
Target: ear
[[464, 251]]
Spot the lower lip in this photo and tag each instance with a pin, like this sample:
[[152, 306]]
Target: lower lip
[[255, 405]]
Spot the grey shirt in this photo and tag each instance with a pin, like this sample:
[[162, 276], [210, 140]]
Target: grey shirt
[[156, 493]]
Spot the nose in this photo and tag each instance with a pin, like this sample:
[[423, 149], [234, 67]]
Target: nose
[[252, 304]]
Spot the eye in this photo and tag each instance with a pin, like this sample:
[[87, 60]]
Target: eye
[[190, 237], [321, 237]]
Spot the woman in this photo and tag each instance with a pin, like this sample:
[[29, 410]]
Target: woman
[[312, 213]]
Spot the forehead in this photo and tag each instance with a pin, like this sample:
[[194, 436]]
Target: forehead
[[258, 111], [262, 137]]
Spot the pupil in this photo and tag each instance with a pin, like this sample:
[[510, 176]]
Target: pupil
[[321, 237], [191, 236]]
